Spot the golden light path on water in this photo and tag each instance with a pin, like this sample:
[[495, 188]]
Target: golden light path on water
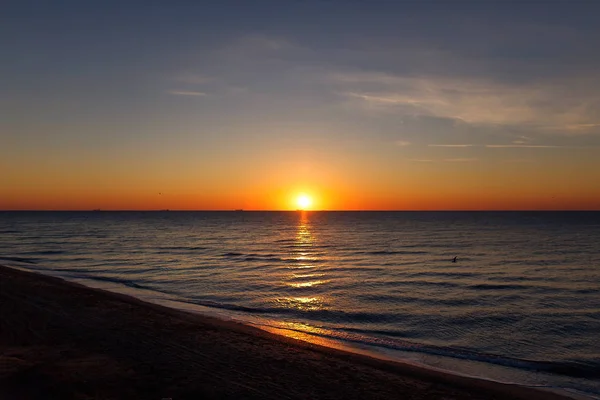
[[304, 274]]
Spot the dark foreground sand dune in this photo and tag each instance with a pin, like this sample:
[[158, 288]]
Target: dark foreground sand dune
[[60, 340]]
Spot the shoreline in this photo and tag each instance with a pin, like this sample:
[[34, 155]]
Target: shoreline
[[63, 335]]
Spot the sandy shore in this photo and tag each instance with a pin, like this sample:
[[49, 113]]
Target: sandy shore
[[60, 340]]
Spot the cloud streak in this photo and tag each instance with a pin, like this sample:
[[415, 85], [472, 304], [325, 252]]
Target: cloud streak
[[452, 160], [186, 93], [567, 104], [451, 145], [515, 145], [525, 146]]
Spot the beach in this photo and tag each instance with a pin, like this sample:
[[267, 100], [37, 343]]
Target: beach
[[62, 340]]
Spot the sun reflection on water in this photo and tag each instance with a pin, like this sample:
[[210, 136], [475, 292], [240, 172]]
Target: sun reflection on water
[[304, 258], [303, 235], [306, 284], [303, 266], [301, 303], [315, 275], [302, 332]]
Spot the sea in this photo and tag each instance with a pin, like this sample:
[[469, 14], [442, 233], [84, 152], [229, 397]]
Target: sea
[[520, 303]]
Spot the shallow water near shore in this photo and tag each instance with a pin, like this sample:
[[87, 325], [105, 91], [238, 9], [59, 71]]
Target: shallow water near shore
[[521, 303]]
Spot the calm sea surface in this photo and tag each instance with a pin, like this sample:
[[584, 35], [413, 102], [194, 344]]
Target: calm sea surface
[[521, 303]]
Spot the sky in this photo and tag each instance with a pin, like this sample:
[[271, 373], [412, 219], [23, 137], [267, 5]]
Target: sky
[[357, 105]]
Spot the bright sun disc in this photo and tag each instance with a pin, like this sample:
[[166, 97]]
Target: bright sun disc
[[303, 201]]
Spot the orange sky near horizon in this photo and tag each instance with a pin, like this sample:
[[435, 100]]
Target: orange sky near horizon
[[333, 180], [456, 189]]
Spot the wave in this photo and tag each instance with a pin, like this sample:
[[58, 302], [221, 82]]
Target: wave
[[251, 257], [47, 252], [284, 241], [121, 281], [497, 286], [164, 248], [308, 245], [390, 252], [19, 259], [373, 338], [442, 274], [263, 258], [317, 315], [232, 254]]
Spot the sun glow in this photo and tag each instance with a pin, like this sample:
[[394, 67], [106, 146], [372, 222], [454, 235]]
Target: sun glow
[[303, 201]]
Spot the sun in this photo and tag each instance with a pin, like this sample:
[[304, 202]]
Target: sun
[[303, 201]]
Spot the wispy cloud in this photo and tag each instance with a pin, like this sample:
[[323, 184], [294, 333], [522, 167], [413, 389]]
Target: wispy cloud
[[450, 145], [186, 93], [526, 146], [522, 140], [387, 98], [402, 143], [582, 126], [428, 160], [577, 128], [515, 145], [567, 105], [518, 161]]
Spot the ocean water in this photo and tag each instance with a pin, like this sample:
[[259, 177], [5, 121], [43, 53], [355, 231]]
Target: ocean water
[[521, 303]]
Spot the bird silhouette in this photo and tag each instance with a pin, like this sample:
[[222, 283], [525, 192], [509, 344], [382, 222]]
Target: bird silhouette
[[454, 259]]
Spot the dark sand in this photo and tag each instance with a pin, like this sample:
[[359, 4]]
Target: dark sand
[[60, 340]]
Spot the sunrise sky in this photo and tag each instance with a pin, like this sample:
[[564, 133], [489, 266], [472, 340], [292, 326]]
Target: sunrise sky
[[397, 105]]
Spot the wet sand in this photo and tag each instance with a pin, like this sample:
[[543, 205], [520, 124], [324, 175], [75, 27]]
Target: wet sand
[[61, 340]]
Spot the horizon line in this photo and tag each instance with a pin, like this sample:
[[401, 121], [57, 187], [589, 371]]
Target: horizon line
[[296, 211]]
